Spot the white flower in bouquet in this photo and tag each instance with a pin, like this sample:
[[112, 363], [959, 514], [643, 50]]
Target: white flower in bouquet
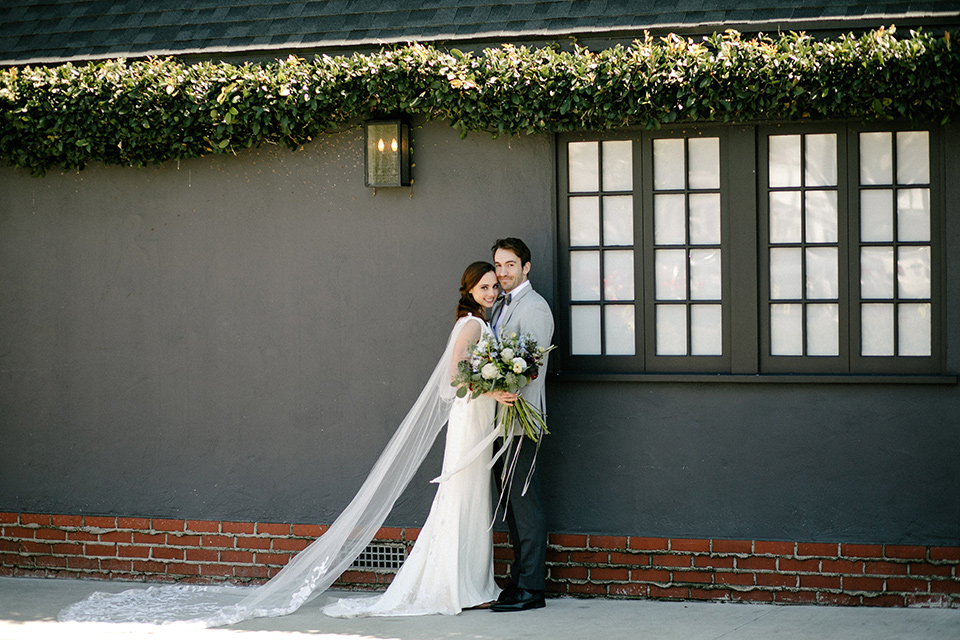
[[519, 365], [508, 355], [490, 371]]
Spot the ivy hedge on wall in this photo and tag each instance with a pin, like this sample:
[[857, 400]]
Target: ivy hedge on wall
[[150, 111]]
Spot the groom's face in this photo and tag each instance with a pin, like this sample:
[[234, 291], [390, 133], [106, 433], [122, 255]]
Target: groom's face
[[510, 273]]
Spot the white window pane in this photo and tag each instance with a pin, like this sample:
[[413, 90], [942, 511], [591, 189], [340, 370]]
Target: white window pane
[[876, 329], [913, 272], [823, 330], [704, 218], [617, 165], [585, 275], [619, 320], [785, 217], [786, 330], [668, 164], [914, 329], [704, 159], [671, 266], [876, 273], [786, 274], [913, 215], [584, 166], [669, 215], [821, 160], [821, 216], [913, 157], [876, 158], [784, 161], [584, 221], [671, 330], [618, 275], [706, 330], [617, 220], [823, 276], [876, 215], [585, 330], [705, 274]]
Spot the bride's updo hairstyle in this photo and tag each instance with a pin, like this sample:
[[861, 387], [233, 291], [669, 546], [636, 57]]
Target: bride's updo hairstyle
[[469, 280]]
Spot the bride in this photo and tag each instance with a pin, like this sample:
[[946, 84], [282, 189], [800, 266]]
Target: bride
[[450, 567]]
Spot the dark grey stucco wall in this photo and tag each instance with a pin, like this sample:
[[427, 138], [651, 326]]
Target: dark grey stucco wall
[[237, 337]]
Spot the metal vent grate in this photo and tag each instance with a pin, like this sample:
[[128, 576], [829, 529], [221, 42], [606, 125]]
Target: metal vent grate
[[381, 556]]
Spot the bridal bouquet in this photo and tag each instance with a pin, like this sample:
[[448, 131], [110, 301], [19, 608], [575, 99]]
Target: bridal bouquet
[[508, 365]]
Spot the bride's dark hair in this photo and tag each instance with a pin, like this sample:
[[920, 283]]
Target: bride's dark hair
[[471, 276]]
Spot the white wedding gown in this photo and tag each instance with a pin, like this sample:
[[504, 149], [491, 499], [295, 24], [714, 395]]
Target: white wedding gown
[[450, 567]]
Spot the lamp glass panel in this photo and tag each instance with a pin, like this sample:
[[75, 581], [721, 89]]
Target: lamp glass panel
[[383, 162]]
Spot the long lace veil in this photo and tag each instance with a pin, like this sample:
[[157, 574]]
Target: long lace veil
[[315, 568]]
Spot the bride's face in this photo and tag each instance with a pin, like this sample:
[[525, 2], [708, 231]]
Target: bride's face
[[485, 292]]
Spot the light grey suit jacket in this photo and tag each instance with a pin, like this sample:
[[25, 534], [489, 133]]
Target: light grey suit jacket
[[528, 313]]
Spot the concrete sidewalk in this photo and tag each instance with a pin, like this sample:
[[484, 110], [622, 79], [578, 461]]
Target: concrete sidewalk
[[29, 606]]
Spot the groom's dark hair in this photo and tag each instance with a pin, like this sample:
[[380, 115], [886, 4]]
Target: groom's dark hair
[[515, 245]]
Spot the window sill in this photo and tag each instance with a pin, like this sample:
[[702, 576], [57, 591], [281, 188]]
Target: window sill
[[762, 378]]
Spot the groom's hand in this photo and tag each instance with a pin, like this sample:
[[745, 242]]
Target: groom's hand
[[504, 398]]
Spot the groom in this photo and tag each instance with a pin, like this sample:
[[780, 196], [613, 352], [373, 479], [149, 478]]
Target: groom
[[522, 310]]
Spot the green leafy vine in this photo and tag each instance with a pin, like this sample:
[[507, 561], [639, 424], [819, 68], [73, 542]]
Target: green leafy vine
[[150, 111]]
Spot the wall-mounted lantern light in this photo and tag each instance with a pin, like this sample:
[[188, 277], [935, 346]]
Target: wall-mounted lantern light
[[387, 153]]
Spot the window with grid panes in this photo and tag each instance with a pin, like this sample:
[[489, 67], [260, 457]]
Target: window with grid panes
[[844, 261]]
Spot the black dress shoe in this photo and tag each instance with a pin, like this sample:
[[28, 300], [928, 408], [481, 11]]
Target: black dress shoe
[[519, 600], [508, 594]]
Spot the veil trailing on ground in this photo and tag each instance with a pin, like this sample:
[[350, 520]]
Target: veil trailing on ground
[[315, 568]]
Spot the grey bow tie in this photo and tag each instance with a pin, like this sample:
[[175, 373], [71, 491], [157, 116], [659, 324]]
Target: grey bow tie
[[505, 300]]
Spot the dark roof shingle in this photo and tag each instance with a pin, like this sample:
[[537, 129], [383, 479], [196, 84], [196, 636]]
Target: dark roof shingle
[[43, 31]]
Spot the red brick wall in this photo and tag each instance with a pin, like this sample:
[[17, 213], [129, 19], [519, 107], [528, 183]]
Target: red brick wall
[[204, 551]]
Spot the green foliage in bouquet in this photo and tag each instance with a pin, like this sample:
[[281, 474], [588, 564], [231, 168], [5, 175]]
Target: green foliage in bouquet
[[505, 365]]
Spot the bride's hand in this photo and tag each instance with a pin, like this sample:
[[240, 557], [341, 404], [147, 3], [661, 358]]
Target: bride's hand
[[504, 398]]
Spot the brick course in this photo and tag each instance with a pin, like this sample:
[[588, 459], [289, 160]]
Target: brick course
[[583, 565]]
